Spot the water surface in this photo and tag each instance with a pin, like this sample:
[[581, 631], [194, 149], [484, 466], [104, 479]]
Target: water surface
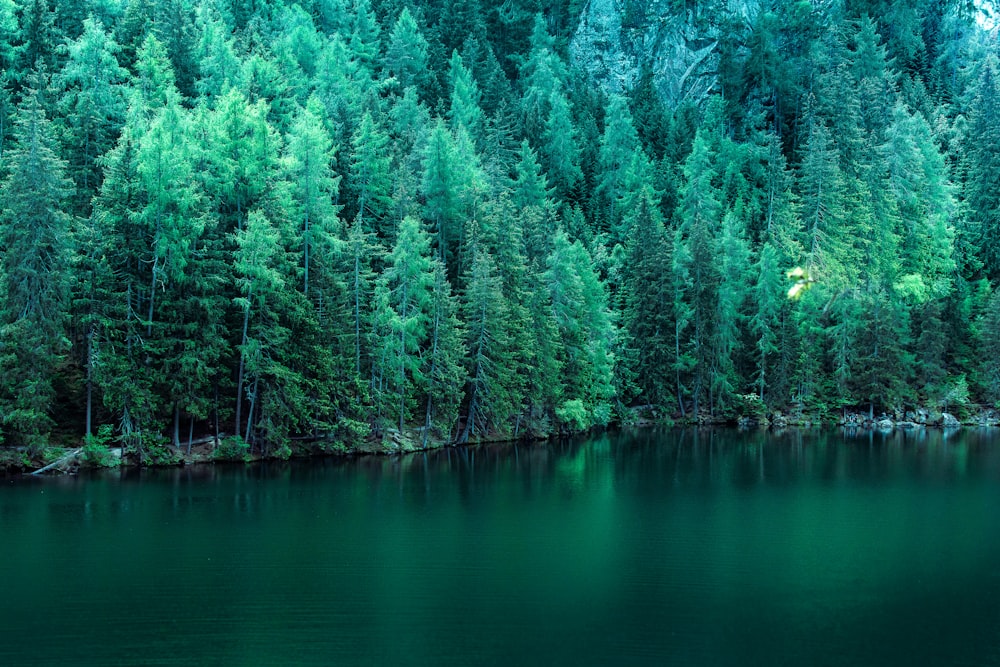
[[653, 548]]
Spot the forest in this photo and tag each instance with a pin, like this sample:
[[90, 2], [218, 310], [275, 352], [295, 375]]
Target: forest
[[333, 220]]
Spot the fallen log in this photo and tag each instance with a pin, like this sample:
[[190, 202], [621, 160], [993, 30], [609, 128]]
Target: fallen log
[[60, 460]]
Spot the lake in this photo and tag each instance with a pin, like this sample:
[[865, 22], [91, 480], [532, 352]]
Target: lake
[[678, 547]]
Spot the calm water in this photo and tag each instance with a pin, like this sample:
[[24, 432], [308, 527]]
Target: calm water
[[656, 548]]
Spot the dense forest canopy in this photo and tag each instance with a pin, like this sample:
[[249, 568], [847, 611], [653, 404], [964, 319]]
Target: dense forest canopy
[[332, 218]]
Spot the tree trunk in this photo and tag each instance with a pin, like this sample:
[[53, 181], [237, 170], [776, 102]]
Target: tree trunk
[[357, 290], [239, 374], [90, 379], [253, 404], [177, 425], [305, 242]]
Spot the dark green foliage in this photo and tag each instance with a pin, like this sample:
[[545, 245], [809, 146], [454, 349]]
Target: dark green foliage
[[35, 273], [327, 219]]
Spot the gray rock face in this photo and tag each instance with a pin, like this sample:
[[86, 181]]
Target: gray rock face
[[617, 39], [949, 421]]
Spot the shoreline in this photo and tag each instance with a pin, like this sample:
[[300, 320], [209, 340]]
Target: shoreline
[[55, 461]]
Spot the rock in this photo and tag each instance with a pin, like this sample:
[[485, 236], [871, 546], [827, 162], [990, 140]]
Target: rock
[[852, 419], [616, 40], [988, 417], [885, 424], [779, 420], [906, 425], [949, 421]]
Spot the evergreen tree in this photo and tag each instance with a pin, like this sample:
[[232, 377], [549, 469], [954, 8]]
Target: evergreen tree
[[408, 283], [562, 155], [406, 54], [734, 276], [767, 292], [696, 267], [35, 268], [93, 102], [493, 395], [370, 180], [256, 262], [465, 108], [647, 305], [308, 158], [443, 370], [618, 144], [588, 333], [982, 194]]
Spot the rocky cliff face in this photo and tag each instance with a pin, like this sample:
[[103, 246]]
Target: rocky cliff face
[[676, 40]]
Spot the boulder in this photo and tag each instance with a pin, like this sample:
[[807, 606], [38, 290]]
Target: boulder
[[949, 421], [885, 424]]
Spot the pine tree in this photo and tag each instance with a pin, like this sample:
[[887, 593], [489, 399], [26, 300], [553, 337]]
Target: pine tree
[[35, 266], [562, 154], [93, 102], [219, 67], [696, 266], [39, 37], [406, 54], [243, 157], [618, 145], [370, 181], [767, 296], [982, 194], [8, 34], [439, 187], [588, 333], [366, 37], [647, 305], [734, 273], [308, 166], [408, 283], [443, 370], [493, 395], [465, 108]]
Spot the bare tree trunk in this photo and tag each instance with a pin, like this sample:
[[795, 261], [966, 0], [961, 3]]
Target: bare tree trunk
[[177, 425], [239, 375], [90, 379]]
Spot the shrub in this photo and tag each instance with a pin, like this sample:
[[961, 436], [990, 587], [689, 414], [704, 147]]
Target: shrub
[[232, 448], [96, 452]]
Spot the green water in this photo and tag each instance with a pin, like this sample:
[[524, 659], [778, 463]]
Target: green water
[[658, 548]]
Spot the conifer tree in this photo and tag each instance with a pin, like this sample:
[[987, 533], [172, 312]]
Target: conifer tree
[[370, 181], [308, 164], [255, 265], [696, 267], [407, 285], [767, 296], [93, 102], [647, 305], [982, 194], [465, 108], [34, 266], [562, 154], [444, 370], [618, 144], [406, 54], [493, 395], [734, 274]]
